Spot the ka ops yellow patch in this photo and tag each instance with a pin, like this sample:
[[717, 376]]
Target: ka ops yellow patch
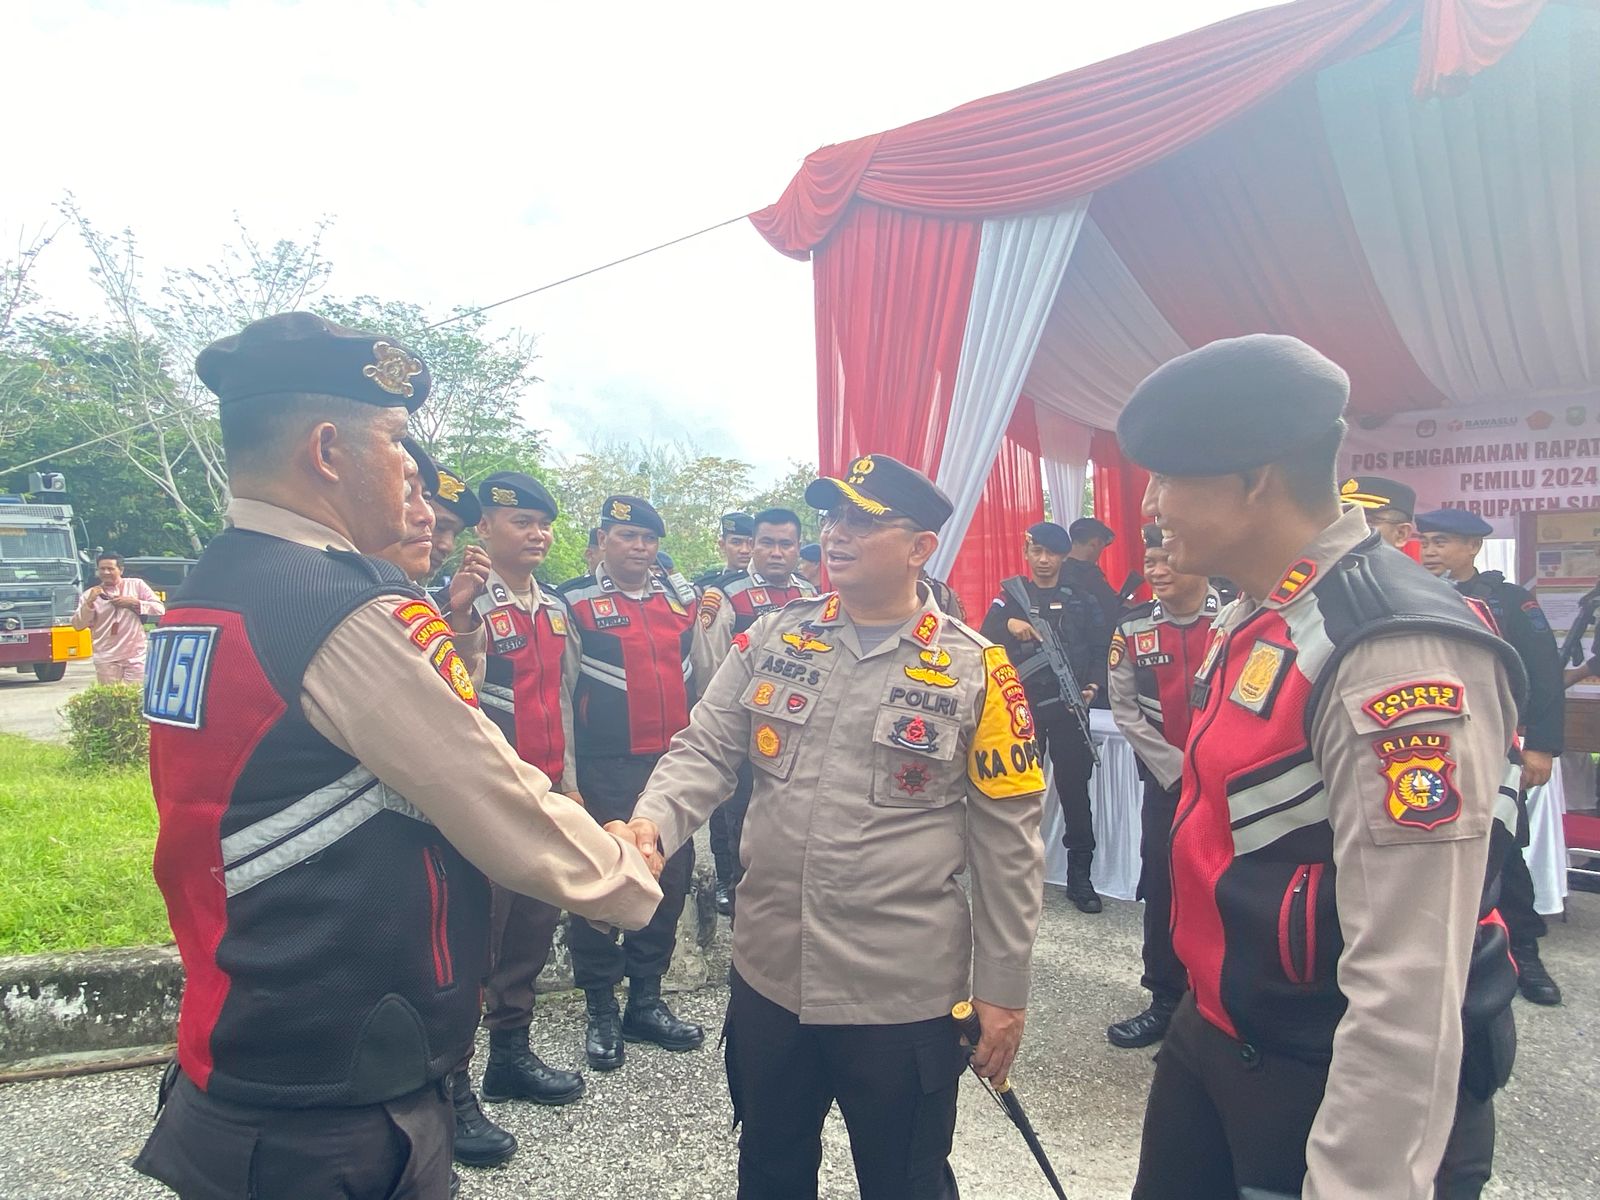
[[1001, 764]]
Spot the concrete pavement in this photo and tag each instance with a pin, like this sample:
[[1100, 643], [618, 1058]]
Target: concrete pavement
[[33, 709], [660, 1126]]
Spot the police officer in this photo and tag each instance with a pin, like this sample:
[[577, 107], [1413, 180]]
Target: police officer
[[1155, 652], [730, 605], [736, 535], [1451, 540], [1341, 781], [455, 510], [1089, 538], [321, 872], [892, 747], [632, 648], [810, 566], [1388, 505], [1084, 631]]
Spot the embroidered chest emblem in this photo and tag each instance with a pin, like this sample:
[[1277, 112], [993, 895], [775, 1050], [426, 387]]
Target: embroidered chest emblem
[[500, 624], [392, 369], [912, 779], [768, 743], [1263, 673], [933, 672], [914, 733], [804, 642], [1146, 642], [763, 695]]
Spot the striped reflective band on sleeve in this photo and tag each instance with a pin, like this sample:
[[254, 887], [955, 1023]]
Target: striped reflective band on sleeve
[[499, 697]]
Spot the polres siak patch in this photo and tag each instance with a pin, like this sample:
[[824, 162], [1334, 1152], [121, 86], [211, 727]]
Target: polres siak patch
[[1005, 677], [1422, 792], [1422, 695]]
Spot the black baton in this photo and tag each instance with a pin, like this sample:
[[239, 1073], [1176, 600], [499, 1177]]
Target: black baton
[[966, 1019]]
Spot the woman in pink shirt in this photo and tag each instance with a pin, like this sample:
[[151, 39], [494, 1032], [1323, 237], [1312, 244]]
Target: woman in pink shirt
[[114, 612]]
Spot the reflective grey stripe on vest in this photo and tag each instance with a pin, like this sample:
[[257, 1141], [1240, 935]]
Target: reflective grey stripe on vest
[[311, 824], [604, 672], [1276, 807], [499, 697]]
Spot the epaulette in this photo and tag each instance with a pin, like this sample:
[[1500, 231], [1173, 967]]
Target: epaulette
[[1145, 609]]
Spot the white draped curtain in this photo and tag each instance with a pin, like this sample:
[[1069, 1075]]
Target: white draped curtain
[[1020, 264], [1064, 458]]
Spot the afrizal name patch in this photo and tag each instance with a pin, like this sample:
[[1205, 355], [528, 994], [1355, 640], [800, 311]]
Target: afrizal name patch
[[1423, 695]]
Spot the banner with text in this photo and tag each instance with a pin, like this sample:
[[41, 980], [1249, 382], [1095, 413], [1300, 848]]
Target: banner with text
[[1495, 460]]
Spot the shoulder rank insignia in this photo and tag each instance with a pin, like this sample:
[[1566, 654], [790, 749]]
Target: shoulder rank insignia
[[1257, 685], [830, 607], [1422, 790], [1422, 696], [1295, 578], [926, 628]]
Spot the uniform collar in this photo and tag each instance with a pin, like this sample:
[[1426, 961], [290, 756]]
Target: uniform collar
[[602, 577], [1319, 555], [502, 593], [258, 516], [1210, 607], [922, 628]]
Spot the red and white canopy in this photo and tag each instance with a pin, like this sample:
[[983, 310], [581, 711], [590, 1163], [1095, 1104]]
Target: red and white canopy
[[992, 282]]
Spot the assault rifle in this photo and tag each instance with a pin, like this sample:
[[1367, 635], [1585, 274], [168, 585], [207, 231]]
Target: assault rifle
[[1056, 656], [1572, 648]]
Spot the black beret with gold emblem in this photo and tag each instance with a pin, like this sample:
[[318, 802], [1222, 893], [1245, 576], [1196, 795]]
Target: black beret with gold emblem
[[630, 510], [884, 487], [738, 524], [299, 352], [1232, 405], [513, 489], [456, 497]]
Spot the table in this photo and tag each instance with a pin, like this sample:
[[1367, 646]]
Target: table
[[1115, 791]]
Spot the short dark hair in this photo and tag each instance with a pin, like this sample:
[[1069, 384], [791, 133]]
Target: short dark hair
[[256, 432], [1309, 470], [1087, 528], [112, 555], [779, 516]]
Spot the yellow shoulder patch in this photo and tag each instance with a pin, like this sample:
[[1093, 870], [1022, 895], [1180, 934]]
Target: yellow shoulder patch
[[1003, 762]]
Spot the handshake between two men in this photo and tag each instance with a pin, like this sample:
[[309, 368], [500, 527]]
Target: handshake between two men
[[644, 835]]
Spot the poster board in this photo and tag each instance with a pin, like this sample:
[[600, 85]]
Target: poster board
[[1558, 553]]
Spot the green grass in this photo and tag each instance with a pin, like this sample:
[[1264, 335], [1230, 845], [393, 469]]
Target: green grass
[[75, 851]]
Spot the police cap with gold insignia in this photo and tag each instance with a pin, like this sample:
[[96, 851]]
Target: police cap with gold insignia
[[1374, 491], [300, 352], [1047, 535], [427, 469], [630, 510], [1233, 405], [1454, 520], [884, 487], [455, 496], [738, 524], [513, 489]]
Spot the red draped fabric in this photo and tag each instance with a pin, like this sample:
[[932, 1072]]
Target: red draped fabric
[[1462, 37], [1247, 232], [1118, 501], [1013, 499], [892, 294]]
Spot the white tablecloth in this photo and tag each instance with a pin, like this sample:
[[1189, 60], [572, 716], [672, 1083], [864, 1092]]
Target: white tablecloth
[[1115, 792]]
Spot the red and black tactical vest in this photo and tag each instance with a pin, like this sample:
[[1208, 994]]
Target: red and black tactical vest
[[522, 687], [751, 595], [1254, 911], [333, 940], [1165, 657], [634, 682]]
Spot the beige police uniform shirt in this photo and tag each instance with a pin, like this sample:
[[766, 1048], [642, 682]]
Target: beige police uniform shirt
[[501, 594], [1408, 900], [879, 778], [371, 691]]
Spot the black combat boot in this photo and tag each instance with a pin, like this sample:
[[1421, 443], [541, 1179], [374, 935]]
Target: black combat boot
[[724, 899], [516, 1073], [648, 1019], [1533, 981], [1079, 889], [602, 1041], [1146, 1029], [479, 1141]]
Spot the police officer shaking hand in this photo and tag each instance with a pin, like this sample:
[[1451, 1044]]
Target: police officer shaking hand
[[891, 748], [321, 862]]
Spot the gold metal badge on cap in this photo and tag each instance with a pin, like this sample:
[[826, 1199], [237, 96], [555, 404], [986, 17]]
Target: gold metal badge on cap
[[503, 496], [393, 369], [860, 469], [621, 511], [450, 488]]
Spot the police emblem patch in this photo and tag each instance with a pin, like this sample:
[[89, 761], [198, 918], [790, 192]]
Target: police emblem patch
[[392, 369], [604, 606], [759, 598], [500, 624], [558, 622], [1422, 790], [504, 497], [768, 743], [1005, 678], [762, 696], [1146, 642], [1430, 695], [1257, 685], [1119, 647], [913, 733], [453, 671], [912, 779], [177, 671]]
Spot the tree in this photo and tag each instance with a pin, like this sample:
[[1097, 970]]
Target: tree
[[20, 372], [790, 492]]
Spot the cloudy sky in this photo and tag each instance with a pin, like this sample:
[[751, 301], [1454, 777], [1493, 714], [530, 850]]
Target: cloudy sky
[[468, 151]]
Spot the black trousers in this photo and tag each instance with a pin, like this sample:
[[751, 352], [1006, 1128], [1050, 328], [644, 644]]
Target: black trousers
[[1469, 1154], [611, 788], [521, 930], [727, 828], [1223, 1116], [1523, 923], [895, 1084], [209, 1149], [1062, 741], [1164, 974]]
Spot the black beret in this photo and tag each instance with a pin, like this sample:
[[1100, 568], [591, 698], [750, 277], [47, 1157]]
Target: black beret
[[594, 536], [738, 524], [811, 552], [1374, 491], [1090, 527], [455, 496], [1050, 536], [1232, 405], [427, 469], [513, 489], [664, 561], [302, 352], [1152, 536], [1454, 520], [631, 510], [884, 486]]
